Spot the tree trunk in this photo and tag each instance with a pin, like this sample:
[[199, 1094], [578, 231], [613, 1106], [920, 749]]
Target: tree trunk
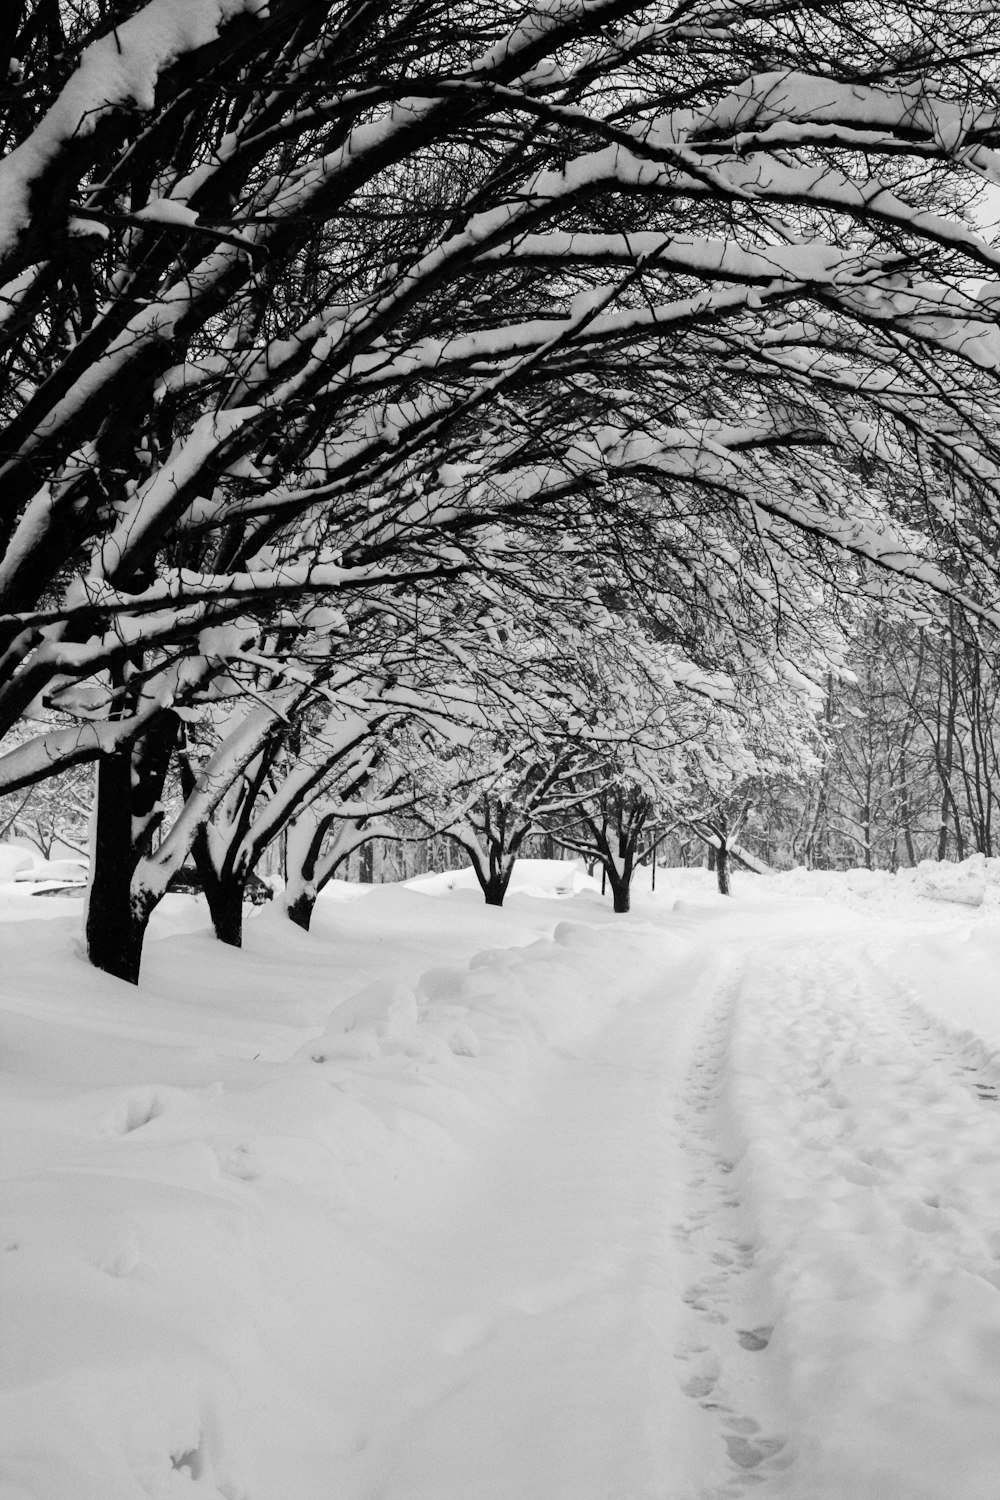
[[621, 894], [946, 763], [494, 877], [905, 810], [722, 867], [115, 923], [223, 892], [128, 787], [495, 890], [620, 879], [301, 908], [303, 844], [114, 944], [225, 904]]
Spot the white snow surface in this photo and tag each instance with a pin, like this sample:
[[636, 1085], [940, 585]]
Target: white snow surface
[[444, 1202]]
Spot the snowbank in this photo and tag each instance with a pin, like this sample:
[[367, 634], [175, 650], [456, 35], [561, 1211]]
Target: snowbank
[[531, 877], [197, 1170], [973, 882], [19, 862], [970, 882]]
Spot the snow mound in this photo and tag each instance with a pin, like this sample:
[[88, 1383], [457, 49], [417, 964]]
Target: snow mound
[[973, 882], [19, 863], [383, 1012], [969, 882], [213, 1183], [549, 878], [14, 861]]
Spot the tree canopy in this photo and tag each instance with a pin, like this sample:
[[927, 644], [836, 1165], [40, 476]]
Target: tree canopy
[[681, 315]]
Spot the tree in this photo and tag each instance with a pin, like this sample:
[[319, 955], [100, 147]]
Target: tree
[[332, 300], [323, 836], [294, 765], [586, 177], [911, 758], [617, 827], [499, 799]]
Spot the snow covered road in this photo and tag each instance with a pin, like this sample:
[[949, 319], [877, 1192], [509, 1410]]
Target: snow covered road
[[703, 1206]]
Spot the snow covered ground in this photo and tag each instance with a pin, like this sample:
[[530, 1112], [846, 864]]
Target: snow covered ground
[[449, 1203]]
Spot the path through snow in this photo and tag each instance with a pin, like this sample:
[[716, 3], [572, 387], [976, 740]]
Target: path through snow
[[747, 1239]]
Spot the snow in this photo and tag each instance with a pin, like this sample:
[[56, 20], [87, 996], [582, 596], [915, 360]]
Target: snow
[[448, 1202], [19, 861], [167, 211], [120, 70]]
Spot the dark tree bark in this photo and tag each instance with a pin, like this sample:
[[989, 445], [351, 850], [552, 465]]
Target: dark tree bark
[[494, 884], [115, 925], [226, 908], [721, 840], [620, 880], [300, 909], [129, 787], [722, 867], [224, 892]]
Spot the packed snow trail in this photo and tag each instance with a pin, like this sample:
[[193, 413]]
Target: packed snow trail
[[871, 1166]]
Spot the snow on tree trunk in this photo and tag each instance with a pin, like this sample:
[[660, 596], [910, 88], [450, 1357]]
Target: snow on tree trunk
[[494, 885], [620, 870], [494, 871], [303, 842], [300, 908]]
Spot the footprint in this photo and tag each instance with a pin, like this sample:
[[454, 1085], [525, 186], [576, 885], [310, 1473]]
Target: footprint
[[861, 1174], [927, 1219], [239, 1161], [699, 1386], [122, 1256], [749, 1454], [754, 1339], [133, 1112], [193, 1460]]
